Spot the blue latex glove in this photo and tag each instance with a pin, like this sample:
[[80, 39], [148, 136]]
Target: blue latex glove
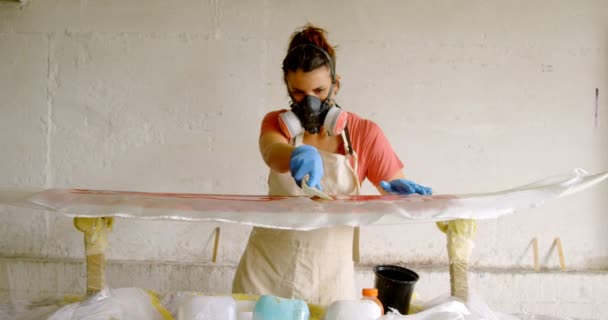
[[405, 187], [306, 160]]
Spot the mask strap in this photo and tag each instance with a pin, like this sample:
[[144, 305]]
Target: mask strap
[[331, 89], [332, 69]]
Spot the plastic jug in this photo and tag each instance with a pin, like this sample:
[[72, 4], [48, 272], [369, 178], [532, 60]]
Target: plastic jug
[[363, 309], [208, 308], [244, 309], [270, 307], [372, 295]]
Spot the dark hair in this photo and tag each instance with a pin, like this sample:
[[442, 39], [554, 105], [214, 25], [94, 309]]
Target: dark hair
[[303, 51]]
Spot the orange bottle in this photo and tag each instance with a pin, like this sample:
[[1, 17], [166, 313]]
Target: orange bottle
[[372, 294]]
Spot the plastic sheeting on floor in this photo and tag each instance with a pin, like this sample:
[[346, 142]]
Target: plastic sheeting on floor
[[300, 213], [138, 304]]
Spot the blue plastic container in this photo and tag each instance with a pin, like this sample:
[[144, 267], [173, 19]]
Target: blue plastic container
[[270, 307]]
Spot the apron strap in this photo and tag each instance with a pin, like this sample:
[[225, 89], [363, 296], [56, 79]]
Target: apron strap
[[352, 155], [348, 146], [356, 245]]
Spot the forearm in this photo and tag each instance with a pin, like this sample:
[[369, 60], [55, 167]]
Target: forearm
[[277, 156], [398, 175]]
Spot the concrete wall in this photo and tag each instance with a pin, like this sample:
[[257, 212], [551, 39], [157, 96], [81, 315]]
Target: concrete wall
[[475, 96]]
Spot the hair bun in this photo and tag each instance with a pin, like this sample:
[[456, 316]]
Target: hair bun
[[314, 35]]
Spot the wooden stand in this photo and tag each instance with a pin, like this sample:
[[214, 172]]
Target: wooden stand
[[96, 232]]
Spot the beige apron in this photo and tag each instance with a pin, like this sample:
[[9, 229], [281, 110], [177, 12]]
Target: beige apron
[[316, 266]]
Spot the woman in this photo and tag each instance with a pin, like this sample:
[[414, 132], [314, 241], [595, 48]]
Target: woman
[[319, 144]]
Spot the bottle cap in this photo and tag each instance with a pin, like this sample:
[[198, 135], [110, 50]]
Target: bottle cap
[[370, 292]]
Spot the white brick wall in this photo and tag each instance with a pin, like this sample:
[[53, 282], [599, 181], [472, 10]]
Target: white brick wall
[[154, 95]]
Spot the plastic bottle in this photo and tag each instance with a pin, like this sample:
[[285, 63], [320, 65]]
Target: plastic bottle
[[244, 309], [208, 308], [372, 294], [270, 307], [363, 309]]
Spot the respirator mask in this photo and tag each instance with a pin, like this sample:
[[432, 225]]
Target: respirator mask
[[311, 113]]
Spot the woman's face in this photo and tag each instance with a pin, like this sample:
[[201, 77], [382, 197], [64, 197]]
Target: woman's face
[[313, 83]]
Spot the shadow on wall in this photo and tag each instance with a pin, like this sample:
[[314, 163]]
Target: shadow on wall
[[601, 109], [597, 263], [20, 4], [601, 131]]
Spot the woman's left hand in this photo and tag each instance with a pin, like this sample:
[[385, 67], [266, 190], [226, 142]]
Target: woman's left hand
[[405, 187]]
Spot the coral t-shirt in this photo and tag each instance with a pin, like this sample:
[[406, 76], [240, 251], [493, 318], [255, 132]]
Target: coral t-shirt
[[377, 160]]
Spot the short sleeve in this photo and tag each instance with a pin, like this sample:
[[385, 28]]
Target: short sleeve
[[271, 122], [376, 155]]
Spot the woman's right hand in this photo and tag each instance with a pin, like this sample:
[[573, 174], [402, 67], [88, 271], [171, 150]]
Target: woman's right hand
[[306, 160]]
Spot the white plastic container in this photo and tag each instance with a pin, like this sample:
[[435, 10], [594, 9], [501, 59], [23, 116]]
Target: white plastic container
[[353, 310], [244, 309], [207, 308]]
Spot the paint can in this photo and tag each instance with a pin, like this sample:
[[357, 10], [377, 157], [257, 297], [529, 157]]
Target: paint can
[[395, 287]]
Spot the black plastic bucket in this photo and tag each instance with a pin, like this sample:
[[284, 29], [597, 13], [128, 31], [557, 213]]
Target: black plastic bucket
[[395, 287]]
